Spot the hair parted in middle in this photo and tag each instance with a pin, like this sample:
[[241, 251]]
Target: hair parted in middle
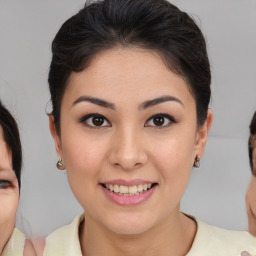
[[155, 25]]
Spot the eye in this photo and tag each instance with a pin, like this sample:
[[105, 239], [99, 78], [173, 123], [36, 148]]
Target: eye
[[160, 120], [95, 121], [4, 184]]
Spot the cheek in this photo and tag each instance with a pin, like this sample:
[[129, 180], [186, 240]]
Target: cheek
[[254, 159], [83, 155], [83, 158], [9, 201], [174, 160], [174, 155]]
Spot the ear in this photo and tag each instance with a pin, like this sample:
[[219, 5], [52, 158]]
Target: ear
[[202, 135], [55, 136]]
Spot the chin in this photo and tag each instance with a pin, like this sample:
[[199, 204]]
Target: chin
[[129, 225]]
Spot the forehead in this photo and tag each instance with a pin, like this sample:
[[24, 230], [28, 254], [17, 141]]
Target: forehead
[[124, 72]]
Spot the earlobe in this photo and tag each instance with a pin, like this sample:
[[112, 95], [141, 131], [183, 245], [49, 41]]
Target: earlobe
[[55, 136], [202, 134]]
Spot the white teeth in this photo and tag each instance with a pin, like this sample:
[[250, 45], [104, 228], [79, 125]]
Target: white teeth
[[116, 189], [133, 190], [128, 191], [140, 188], [123, 190]]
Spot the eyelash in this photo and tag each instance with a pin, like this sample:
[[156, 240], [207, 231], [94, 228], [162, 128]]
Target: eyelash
[[171, 120], [85, 119], [4, 184]]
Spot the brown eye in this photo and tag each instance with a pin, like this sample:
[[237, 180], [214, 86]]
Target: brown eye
[[95, 121], [98, 121], [158, 121]]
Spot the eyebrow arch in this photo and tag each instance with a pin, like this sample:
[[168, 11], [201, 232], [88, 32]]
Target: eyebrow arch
[[162, 99], [95, 101]]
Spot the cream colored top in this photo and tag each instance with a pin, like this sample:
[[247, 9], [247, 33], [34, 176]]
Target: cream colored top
[[209, 241], [15, 245]]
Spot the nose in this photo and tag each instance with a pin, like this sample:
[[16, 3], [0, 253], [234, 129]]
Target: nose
[[127, 150]]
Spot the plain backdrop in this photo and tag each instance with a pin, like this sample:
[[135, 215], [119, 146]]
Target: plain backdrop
[[216, 190]]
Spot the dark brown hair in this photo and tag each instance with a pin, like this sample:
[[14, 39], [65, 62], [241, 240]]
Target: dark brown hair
[[151, 24]]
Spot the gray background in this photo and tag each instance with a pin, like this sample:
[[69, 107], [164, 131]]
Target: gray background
[[216, 190]]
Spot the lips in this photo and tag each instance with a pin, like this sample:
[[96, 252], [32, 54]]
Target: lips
[[127, 193], [128, 190]]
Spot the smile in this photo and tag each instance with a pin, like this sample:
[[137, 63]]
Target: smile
[[128, 194], [128, 190]]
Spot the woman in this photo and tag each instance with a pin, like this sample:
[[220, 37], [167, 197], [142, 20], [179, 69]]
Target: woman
[[251, 191], [13, 242], [130, 88]]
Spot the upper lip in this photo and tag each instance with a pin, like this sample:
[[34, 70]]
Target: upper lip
[[134, 182]]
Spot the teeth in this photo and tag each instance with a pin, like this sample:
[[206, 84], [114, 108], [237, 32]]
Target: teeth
[[133, 190], [123, 189], [128, 191], [140, 188], [116, 189]]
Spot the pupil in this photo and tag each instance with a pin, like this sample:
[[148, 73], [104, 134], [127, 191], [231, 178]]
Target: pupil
[[98, 121], [158, 121]]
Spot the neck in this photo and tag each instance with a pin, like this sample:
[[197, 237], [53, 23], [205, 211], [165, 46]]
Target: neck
[[173, 236]]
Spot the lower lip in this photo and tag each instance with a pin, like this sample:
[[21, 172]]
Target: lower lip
[[128, 200]]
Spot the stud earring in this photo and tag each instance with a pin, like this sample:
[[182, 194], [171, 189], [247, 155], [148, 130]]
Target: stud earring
[[60, 164], [197, 162]]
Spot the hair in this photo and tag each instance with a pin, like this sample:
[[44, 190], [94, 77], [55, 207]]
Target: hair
[[12, 138], [156, 25], [252, 129]]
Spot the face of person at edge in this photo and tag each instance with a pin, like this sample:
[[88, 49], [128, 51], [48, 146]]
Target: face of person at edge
[[254, 153], [9, 193], [146, 133]]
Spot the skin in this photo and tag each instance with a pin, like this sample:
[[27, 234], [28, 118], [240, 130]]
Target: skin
[[9, 198], [251, 194], [130, 146], [9, 193]]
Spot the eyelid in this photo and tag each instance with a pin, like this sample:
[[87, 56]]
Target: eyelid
[[169, 117], [5, 184], [86, 117]]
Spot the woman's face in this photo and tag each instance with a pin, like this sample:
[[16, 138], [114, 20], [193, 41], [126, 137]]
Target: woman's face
[[129, 124], [254, 153], [9, 191]]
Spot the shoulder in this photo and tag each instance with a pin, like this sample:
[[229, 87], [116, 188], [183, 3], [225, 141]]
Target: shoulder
[[211, 240], [15, 245], [65, 240]]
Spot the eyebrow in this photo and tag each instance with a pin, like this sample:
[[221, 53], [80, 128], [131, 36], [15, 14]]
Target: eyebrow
[[95, 101], [144, 105], [156, 101]]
